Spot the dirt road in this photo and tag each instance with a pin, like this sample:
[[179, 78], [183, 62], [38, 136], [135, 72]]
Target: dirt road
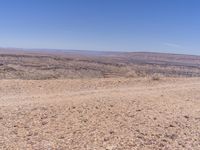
[[89, 114]]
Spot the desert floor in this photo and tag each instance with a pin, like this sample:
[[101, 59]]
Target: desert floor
[[99, 114]]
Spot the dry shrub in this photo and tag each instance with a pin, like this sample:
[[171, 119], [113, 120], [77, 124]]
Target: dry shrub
[[155, 77], [131, 74]]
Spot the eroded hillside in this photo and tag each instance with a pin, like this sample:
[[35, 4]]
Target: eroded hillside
[[76, 64]]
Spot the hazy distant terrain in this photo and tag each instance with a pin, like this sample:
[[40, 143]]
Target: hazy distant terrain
[[55, 64]]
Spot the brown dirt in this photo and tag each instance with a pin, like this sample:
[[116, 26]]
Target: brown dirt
[[107, 114]]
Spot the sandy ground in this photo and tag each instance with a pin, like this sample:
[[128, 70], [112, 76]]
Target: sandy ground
[[100, 114]]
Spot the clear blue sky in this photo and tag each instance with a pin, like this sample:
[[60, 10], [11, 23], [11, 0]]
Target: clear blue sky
[[115, 25]]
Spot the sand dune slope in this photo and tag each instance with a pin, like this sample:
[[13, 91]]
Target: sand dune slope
[[89, 114]]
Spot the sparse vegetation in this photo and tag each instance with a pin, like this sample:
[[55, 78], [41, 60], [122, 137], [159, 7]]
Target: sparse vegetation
[[155, 77]]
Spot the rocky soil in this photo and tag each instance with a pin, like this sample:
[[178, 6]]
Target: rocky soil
[[101, 114]]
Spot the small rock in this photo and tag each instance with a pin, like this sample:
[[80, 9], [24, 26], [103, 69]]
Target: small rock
[[187, 117], [35, 133], [44, 117], [44, 122], [61, 137], [172, 136], [54, 116], [29, 134], [85, 120], [161, 145], [164, 140], [140, 137], [106, 139], [110, 147]]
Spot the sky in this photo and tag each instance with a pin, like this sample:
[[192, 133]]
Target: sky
[[170, 26]]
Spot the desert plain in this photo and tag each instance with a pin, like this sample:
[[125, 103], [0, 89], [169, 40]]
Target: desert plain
[[85, 103]]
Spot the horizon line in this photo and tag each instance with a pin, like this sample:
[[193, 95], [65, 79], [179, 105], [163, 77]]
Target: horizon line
[[105, 51]]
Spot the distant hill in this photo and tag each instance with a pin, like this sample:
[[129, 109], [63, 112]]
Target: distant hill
[[56, 64]]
